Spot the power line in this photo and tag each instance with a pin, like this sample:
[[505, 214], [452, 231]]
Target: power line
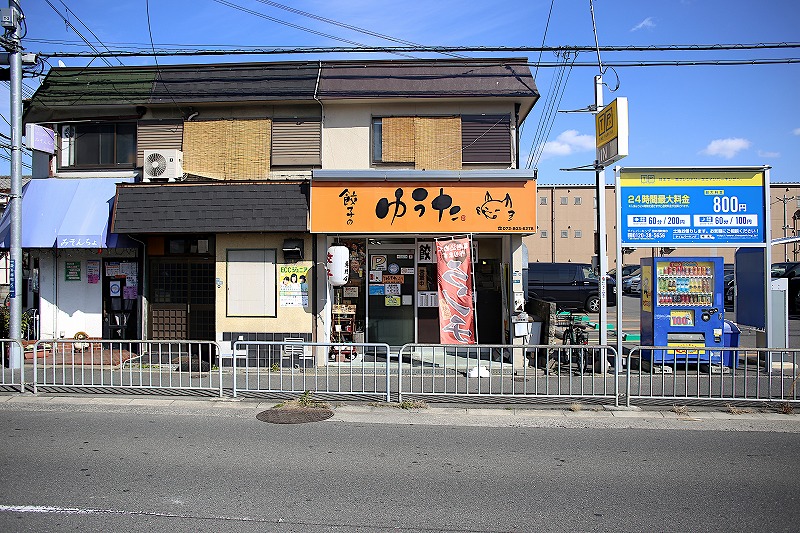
[[87, 27], [79, 34], [188, 51]]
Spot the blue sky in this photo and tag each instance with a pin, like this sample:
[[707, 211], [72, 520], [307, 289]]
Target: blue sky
[[679, 115]]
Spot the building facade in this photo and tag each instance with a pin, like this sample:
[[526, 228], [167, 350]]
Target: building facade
[[227, 189]]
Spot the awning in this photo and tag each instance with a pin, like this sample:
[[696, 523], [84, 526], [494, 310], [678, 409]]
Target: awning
[[66, 213]]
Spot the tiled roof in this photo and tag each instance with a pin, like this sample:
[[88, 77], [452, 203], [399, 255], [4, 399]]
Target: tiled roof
[[65, 87], [211, 207]]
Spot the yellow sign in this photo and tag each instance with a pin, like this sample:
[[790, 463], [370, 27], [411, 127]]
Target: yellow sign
[[423, 207], [681, 317], [611, 127], [645, 285]]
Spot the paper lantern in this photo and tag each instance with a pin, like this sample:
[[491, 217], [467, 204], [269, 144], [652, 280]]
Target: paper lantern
[[338, 265]]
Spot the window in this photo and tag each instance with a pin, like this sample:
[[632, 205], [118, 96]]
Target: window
[[564, 200], [443, 142], [543, 234], [251, 283], [486, 139], [564, 233], [578, 234], [543, 200], [578, 200], [98, 145], [296, 141]]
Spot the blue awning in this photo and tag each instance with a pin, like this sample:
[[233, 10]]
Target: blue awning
[[66, 213]]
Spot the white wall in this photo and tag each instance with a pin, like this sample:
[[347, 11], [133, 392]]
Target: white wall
[[67, 307]]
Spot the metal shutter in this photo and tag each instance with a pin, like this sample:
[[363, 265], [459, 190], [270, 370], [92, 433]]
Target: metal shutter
[[296, 142], [486, 139], [158, 135]]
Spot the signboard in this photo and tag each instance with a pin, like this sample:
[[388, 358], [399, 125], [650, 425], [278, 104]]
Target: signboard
[[72, 271], [40, 138], [423, 207], [611, 127], [691, 208]]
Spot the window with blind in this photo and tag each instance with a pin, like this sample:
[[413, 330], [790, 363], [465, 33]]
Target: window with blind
[[486, 139], [251, 283], [296, 142], [442, 142]]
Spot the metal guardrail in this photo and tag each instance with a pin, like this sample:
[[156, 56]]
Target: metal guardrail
[[435, 372], [262, 368], [66, 365], [510, 371], [13, 375], [698, 375]]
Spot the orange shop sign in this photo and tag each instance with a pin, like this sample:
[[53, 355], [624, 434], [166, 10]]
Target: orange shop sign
[[423, 207]]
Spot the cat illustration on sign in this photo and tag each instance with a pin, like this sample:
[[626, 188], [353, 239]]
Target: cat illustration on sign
[[492, 209]]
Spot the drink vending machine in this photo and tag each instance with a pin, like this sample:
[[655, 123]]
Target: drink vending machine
[[683, 307]]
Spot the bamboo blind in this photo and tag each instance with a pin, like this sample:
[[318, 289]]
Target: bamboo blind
[[227, 149], [438, 143], [397, 144]]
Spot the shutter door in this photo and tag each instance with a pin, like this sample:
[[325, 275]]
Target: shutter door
[[486, 139], [158, 135], [296, 142]]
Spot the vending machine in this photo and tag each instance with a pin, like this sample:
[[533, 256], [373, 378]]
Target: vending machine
[[683, 307]]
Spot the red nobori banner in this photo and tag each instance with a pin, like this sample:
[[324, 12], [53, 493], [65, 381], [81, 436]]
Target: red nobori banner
[[456, 311]]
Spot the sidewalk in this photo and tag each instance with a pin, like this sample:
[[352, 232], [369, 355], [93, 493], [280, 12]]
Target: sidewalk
[[578, 416]]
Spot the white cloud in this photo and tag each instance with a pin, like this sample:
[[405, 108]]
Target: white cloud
[[762, 153], [645, 24], [568, 143], [796, 131], [726, 148]]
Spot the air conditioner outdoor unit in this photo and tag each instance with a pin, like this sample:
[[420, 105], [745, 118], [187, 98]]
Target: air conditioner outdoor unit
[[162, 165]]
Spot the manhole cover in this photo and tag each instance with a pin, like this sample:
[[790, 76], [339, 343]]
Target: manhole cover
[[299, 415]]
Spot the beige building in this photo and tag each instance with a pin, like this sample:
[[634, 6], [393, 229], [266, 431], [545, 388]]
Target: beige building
[[566, 222]]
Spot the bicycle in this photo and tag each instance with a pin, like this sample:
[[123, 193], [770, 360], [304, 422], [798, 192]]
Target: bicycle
[[573, 334]]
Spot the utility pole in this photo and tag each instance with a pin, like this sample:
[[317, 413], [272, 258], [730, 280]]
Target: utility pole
[[11, 22]]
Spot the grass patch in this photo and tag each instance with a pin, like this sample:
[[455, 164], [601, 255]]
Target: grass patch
[[412, 404], [732, 409], [304, 401], [680, 410], [786, 408], [575, 407]]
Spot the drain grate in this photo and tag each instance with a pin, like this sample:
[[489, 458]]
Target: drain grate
[[298, 415]]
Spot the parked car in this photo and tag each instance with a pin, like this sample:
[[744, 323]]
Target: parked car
[[634, 284], [730, 290], [570, 285], [628, 280]]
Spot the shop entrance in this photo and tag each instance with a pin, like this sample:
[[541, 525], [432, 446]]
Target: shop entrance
[[182, 299], [390, 300]]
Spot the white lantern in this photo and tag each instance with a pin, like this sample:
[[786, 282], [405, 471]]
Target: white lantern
[[338, 265]]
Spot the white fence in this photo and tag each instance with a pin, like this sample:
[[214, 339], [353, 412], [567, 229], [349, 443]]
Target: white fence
[[433, 372]]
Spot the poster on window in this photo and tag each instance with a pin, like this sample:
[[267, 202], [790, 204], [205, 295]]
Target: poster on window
[[454, 277], [293, 286], [93, 271]]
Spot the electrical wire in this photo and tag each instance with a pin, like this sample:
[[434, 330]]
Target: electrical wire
[[158, 69], [79, 34], [89, 29]]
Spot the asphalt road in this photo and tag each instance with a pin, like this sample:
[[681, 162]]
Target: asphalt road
[[69, 468]]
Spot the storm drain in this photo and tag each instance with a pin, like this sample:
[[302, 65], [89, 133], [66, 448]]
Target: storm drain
[[297, 415]]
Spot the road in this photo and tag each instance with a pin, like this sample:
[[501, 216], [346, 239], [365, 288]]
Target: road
[[216, 469]]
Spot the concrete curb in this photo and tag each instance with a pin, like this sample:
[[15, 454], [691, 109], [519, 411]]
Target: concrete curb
[[491, 416]]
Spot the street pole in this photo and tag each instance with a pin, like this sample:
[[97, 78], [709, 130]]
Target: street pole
[[602, 251], [15, 200]]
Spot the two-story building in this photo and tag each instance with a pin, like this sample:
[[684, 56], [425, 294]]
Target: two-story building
[[199, 201]]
